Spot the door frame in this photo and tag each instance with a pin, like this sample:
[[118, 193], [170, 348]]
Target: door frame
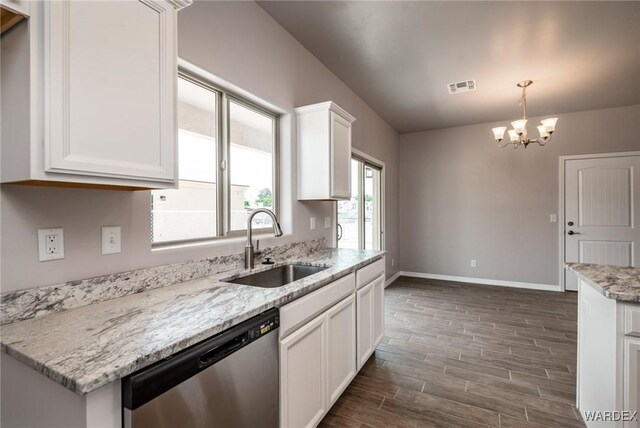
[[377, 162], [562, 164]]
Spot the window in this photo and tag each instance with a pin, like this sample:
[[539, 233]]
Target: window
[[227, 155], [360, 218]]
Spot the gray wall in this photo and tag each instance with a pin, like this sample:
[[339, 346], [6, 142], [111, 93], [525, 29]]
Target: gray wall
[[461, 198], [243, 45]]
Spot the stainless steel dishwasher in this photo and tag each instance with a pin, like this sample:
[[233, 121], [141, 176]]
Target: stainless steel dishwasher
[[229, 380]]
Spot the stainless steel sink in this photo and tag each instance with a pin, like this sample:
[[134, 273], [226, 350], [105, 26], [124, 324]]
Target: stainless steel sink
[[279, 276]]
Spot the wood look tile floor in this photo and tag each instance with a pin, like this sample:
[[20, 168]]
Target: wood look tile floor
[[464, 355]]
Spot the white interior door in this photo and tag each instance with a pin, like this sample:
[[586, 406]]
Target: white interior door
[[602, 210]]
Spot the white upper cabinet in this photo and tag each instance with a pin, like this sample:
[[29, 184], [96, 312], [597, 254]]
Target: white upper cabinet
[[94, 84], [324, 152]]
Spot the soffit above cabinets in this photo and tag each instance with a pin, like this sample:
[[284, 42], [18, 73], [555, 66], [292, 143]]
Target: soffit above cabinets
[[400, 56]]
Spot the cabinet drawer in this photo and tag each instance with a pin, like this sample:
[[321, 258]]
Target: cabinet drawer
[[632, 320], [369, 272], [296, 313]]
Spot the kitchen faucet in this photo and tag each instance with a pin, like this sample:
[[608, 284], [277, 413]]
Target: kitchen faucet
[[248, 249]]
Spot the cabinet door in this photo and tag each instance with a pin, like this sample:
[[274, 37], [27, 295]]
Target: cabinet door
[[110, 70], [364, 310], [632, 379], [378, 310], [597, 347], [303, 374], [340, 157], [341, 346]]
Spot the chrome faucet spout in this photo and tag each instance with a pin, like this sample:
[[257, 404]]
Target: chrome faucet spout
[[248, 249]]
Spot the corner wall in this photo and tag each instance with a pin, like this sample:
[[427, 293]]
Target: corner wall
[[241, 44], [461, 198]]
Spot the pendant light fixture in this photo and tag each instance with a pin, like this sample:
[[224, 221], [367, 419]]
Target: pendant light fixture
[[518, 136]]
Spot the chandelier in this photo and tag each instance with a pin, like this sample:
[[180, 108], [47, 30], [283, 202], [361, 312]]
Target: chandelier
[[518, 136]]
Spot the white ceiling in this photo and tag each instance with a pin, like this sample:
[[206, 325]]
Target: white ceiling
[[400, 55]]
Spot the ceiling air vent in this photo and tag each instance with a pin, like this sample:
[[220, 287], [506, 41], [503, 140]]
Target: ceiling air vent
[[463, 86]]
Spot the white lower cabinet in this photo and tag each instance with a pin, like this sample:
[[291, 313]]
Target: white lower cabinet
[[325, 338], [370, 318], [303, 373], [341, 347], [364, 323], [632, 379], [608, 378], [317, 362], [378, 310]]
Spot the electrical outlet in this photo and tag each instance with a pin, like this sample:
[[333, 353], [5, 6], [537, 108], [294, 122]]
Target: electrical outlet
[[312, 223], [393, 262], [327, 222], [111, 240], [474, 263], [553, 218], [50, 244]]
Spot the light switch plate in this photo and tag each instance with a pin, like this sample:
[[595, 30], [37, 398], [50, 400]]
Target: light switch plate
[[50, 244], [111, 240], [312, 223], [327, 222]]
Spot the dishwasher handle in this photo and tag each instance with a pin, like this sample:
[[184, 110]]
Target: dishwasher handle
[[219, 352]]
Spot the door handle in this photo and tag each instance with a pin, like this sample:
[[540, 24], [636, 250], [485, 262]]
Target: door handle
[[571, 232], [339, 231]]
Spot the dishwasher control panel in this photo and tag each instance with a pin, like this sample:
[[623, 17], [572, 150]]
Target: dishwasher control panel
[[264, 328]]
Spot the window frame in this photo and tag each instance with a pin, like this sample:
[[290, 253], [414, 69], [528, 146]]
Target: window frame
[[229, 97], [223, 152]]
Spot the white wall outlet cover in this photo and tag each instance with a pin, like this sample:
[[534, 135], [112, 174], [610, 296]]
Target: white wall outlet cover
[[50, 244], [553, 218], [312, 223], [327, 222], [474, 263], [111, 240]]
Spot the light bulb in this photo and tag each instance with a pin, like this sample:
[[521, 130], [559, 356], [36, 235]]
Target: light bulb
[[550, 124], [513, 135], [543, 131], [498, 133], [518, 125]]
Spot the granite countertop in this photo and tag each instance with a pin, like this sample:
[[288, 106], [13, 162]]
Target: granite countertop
[[614, 282], [86, 347]]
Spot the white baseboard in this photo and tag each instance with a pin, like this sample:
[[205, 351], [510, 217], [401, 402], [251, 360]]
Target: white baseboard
[[514, 284], [393, 278]]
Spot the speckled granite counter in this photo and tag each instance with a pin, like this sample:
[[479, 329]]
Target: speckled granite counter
[[86, 347], [614, 282]]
